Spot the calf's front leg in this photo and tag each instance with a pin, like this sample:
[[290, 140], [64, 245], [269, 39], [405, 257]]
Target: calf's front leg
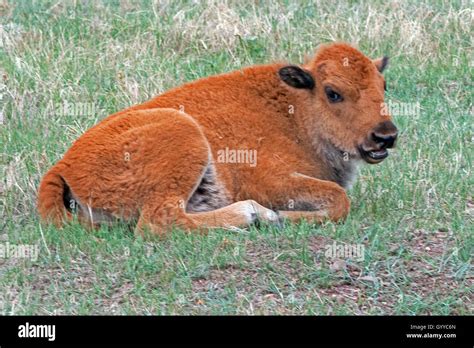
[[309, 198]]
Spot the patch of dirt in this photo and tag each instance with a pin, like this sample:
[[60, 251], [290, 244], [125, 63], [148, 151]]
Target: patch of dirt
[[268, 278]]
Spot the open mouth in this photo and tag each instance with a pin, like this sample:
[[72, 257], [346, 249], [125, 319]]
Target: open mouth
[[373, 156]]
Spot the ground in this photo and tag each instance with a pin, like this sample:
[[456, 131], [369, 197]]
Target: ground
[[65, 67]]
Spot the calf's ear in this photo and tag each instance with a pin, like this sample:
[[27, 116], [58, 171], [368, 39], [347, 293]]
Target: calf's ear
[[381, 63], [296, 77]]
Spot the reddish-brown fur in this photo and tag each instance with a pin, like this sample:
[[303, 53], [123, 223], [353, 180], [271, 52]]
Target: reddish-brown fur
[[156, 163]]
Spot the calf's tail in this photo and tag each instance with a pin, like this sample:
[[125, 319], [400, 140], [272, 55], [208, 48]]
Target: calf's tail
[[51, 196]]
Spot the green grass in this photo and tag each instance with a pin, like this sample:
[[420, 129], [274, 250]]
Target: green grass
[[413, 213]]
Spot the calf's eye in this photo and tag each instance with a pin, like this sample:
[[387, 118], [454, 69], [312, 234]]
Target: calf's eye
[[333, 96]]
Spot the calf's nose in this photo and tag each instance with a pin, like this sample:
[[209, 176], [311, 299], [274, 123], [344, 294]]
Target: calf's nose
[[385, 134]]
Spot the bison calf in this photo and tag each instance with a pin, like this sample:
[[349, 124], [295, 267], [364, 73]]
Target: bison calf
[[262, 143]]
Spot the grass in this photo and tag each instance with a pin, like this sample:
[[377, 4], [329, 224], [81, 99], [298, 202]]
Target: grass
[[413, 213]]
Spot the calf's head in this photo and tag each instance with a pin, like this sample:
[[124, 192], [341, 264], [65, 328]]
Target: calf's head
[[345, 105]]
